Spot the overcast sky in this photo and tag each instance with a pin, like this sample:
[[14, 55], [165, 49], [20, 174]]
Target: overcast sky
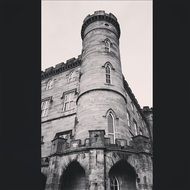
[[61, 40]]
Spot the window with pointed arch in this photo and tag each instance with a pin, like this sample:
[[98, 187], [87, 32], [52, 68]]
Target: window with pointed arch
[[49, 84], [114, 183], [140, 131], [111, 127], [108, 74], [128, 119], [107, 45], [135, 127], [72, 77]]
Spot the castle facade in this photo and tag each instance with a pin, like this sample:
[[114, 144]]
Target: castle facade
[[95, 136]]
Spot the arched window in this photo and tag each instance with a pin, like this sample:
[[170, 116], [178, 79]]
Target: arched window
[[114, 183], [128, 119], [49, 85], [111, 130], [107, 45], [135, 127], [108, 74], [72, 76]]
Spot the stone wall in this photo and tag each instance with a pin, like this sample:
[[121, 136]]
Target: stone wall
[[89, 149], [97, 160], [57, 120]]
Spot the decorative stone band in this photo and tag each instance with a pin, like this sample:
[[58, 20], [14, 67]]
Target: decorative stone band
[[101, 89], [99, 16]]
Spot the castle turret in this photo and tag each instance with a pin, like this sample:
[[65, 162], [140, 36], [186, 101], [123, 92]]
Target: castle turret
[[101, 142], [101, 93]]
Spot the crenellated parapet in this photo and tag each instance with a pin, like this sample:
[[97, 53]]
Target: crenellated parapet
[[100, 16], [147, 110], [61, 67], [97, 140]]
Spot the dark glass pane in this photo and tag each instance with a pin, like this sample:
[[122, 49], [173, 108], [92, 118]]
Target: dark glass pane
[[108, 70]]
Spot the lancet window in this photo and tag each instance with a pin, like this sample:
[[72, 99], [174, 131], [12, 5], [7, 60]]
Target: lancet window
[[107, 44], [49, 84], [111, 127], [108, 74]]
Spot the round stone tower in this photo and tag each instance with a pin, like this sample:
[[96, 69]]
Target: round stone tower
[[101, 92], [102, 116]]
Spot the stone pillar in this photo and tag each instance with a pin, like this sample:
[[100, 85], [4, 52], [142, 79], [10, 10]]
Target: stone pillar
[[97, 161], [143, 166], [53, 179], [96, 167]]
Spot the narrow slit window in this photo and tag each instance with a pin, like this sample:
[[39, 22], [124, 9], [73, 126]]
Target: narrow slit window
[[135, 127], [107, 45], [128, 119]]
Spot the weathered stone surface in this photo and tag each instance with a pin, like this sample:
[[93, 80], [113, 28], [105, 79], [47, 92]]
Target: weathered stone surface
[[88, 157]]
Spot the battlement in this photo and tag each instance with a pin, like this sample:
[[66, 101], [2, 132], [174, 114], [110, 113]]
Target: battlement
[[97, 139], [100, 12], [147, 109], [98, 16], [61, 67]]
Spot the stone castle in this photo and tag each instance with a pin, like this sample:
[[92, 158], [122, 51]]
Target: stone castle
[[95, 136]]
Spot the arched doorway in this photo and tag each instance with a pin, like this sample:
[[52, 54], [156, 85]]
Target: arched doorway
[[43, 181], [122, 176], [73, 177]]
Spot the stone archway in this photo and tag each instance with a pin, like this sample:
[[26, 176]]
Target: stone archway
[[125, 176], [73, 177]]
